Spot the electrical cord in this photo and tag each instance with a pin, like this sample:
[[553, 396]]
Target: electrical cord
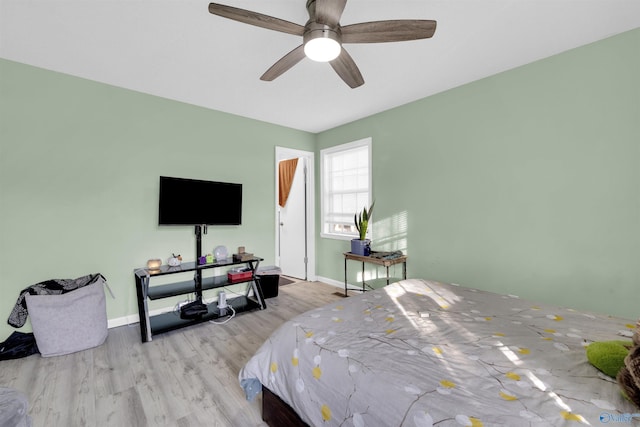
[[233, 292], [233, 314]]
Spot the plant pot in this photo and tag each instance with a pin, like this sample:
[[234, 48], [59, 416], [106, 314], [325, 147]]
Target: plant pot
[[361, 247]]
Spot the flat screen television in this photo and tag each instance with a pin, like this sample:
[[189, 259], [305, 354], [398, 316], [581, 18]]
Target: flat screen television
[[196, 202]]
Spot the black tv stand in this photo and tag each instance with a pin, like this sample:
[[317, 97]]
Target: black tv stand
[[251, 299]]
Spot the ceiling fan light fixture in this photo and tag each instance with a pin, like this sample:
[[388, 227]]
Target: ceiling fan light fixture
[[322, 50], [321, 44]]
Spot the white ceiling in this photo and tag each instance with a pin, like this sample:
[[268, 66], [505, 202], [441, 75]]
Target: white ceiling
[[176, 49]]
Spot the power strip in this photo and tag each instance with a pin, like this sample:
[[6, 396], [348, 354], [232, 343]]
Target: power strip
[[222, 303]]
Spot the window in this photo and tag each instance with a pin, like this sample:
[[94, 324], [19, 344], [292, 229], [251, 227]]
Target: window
[[346, 187]]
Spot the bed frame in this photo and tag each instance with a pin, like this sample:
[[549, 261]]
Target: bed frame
[[277, 413]]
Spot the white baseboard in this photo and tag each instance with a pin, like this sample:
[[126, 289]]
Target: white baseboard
[[122, 321], [134, 318], [332, 282]]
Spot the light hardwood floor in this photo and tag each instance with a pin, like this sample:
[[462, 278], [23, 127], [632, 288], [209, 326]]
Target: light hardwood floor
[[187, 377]]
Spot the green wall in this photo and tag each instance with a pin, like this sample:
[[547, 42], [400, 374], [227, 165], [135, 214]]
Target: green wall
[[79, 168], [526, 182]]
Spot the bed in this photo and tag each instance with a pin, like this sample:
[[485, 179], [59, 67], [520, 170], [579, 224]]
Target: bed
[[421, 353]]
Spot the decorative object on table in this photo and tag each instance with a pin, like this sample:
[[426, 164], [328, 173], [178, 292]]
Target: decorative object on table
[[205, 259], [154, 264], [245, 256], [386, 255], [362, 246], [239, 274], [174, 260], [220, 253], [242, 255]]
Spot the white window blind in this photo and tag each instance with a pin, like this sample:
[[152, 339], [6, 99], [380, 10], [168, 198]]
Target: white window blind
[[346, 187]]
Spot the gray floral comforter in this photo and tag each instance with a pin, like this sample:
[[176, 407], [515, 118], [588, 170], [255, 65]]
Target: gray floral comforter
[[421, 353]]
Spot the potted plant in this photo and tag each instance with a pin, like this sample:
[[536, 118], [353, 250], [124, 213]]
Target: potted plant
[[361, 246]]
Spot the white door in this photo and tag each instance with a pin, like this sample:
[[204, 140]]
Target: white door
[[294, 222], [293, 247]]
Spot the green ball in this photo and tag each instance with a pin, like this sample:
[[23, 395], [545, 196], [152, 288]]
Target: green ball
[[608, 356]]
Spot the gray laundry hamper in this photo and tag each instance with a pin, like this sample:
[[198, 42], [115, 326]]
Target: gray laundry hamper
[[69, 322]]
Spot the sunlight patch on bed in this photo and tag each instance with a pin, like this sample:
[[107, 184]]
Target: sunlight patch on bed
[[444, 298], [510, 354], [536, 381], [423, 321], [394, 294]]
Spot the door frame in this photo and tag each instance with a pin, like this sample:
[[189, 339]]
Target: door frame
[[283, 153]]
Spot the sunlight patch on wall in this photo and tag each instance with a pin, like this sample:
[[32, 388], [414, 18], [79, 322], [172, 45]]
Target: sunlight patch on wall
[[391, 233]]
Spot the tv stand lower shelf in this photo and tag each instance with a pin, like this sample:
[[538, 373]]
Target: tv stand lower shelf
[[169, 321], [252, 299]]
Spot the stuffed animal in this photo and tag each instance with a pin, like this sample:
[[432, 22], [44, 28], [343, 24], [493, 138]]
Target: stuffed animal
[[629, 375], [608, 356]]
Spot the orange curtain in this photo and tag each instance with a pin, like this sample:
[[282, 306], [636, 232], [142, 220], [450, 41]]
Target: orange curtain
[[286, 172]]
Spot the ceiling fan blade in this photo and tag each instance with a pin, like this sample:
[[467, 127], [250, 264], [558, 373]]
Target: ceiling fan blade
[[347, 69], [255, 18], [284, 64], [388, 31], [328, 12]]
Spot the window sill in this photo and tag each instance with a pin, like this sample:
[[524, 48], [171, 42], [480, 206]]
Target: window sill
[[341, 236], [337, 236]]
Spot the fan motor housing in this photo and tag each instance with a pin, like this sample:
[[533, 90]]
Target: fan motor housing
[[314, 30]]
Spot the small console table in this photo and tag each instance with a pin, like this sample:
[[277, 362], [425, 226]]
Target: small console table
[[373, 260], [164, 322]]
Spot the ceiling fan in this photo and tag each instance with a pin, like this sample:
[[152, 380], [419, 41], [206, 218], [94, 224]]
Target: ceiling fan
[[323, 36]]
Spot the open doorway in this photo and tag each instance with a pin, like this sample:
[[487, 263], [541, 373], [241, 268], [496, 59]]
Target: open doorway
[[295, 218]]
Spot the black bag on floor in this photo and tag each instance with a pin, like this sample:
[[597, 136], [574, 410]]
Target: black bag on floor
[[19, 344], [193, 310]]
